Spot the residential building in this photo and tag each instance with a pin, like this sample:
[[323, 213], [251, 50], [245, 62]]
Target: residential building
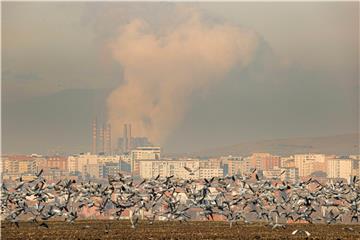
[[264, 161], [51, 163], [113, 168], [309, 163], [342, 167], [89, 164], [288, 162], [211, 172], [246, 165], [291, 174], [232, 164], [282, 174], [176, 168], [143, 153], [16, 165]]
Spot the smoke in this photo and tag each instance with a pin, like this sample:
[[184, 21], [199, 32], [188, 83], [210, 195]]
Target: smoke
[[162, 70]]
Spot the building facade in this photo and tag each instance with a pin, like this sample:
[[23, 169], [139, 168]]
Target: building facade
[[143, 153], [343, 168], [309, 163], [176, 168], [264, 161], [17, 165]]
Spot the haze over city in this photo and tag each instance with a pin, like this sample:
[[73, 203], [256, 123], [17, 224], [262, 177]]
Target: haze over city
[[169, 120], [189, 76]]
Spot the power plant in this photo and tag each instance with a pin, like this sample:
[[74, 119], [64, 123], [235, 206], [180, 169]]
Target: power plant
[[126, 138], [94, 137], [101, 138], [127, 142]]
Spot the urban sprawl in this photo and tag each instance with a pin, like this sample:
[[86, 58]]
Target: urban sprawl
[[137, 157], [138, 164], [146, 162]]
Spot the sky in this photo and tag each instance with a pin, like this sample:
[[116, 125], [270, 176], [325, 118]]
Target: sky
[[190, 76]]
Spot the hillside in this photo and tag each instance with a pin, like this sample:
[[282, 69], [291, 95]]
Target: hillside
[[340, 144]]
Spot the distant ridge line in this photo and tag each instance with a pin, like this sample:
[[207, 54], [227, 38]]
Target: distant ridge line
[[340, 144]]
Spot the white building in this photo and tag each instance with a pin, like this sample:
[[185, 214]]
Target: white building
[[284, 174], [211, 172], [143, 153], [273, 173], [291, 174], [88, 164], [342, 168], [153, 168], [126, 158], [309, 163], [108, 158], [181, 168], [76, 163]]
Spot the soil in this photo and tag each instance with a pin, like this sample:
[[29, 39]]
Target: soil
[[104, 229]]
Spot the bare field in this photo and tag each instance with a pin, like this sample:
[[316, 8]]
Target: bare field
[[173, 230]]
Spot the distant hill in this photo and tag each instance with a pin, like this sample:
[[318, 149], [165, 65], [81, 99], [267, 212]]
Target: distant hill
[[340, 144]]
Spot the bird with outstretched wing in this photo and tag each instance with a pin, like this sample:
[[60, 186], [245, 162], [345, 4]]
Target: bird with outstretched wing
[[191, 171]]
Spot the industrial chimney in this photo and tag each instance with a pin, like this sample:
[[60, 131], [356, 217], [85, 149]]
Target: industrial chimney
[[108, 139], [94, 137]]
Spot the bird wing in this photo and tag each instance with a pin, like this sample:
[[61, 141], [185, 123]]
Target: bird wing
[[44, 225], [187, 169], [39, 174]]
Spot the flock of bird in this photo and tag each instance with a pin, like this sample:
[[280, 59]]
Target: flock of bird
[[237, 198]]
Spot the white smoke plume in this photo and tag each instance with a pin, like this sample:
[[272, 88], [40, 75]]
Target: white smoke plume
[[161, 71]]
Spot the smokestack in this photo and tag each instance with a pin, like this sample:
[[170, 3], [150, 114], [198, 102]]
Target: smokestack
[[129, 140], [102, 138], [109, 133], [108, 139], [94, 132], [125, 139]]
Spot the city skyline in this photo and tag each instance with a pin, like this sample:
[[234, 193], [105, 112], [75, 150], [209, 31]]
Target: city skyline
[[269, 79], [148, 163]]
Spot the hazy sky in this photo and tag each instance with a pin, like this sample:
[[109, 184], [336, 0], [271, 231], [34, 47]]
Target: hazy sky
[[199, 75]]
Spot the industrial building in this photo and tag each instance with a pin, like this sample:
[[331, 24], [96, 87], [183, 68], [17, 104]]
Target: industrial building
[[101, 139], [127, 142]]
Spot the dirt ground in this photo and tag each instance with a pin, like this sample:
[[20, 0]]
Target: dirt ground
[[172, 230]]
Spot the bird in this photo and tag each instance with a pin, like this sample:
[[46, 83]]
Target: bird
[[191, 172], [236, 198], [301, 231], [44, 225]]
